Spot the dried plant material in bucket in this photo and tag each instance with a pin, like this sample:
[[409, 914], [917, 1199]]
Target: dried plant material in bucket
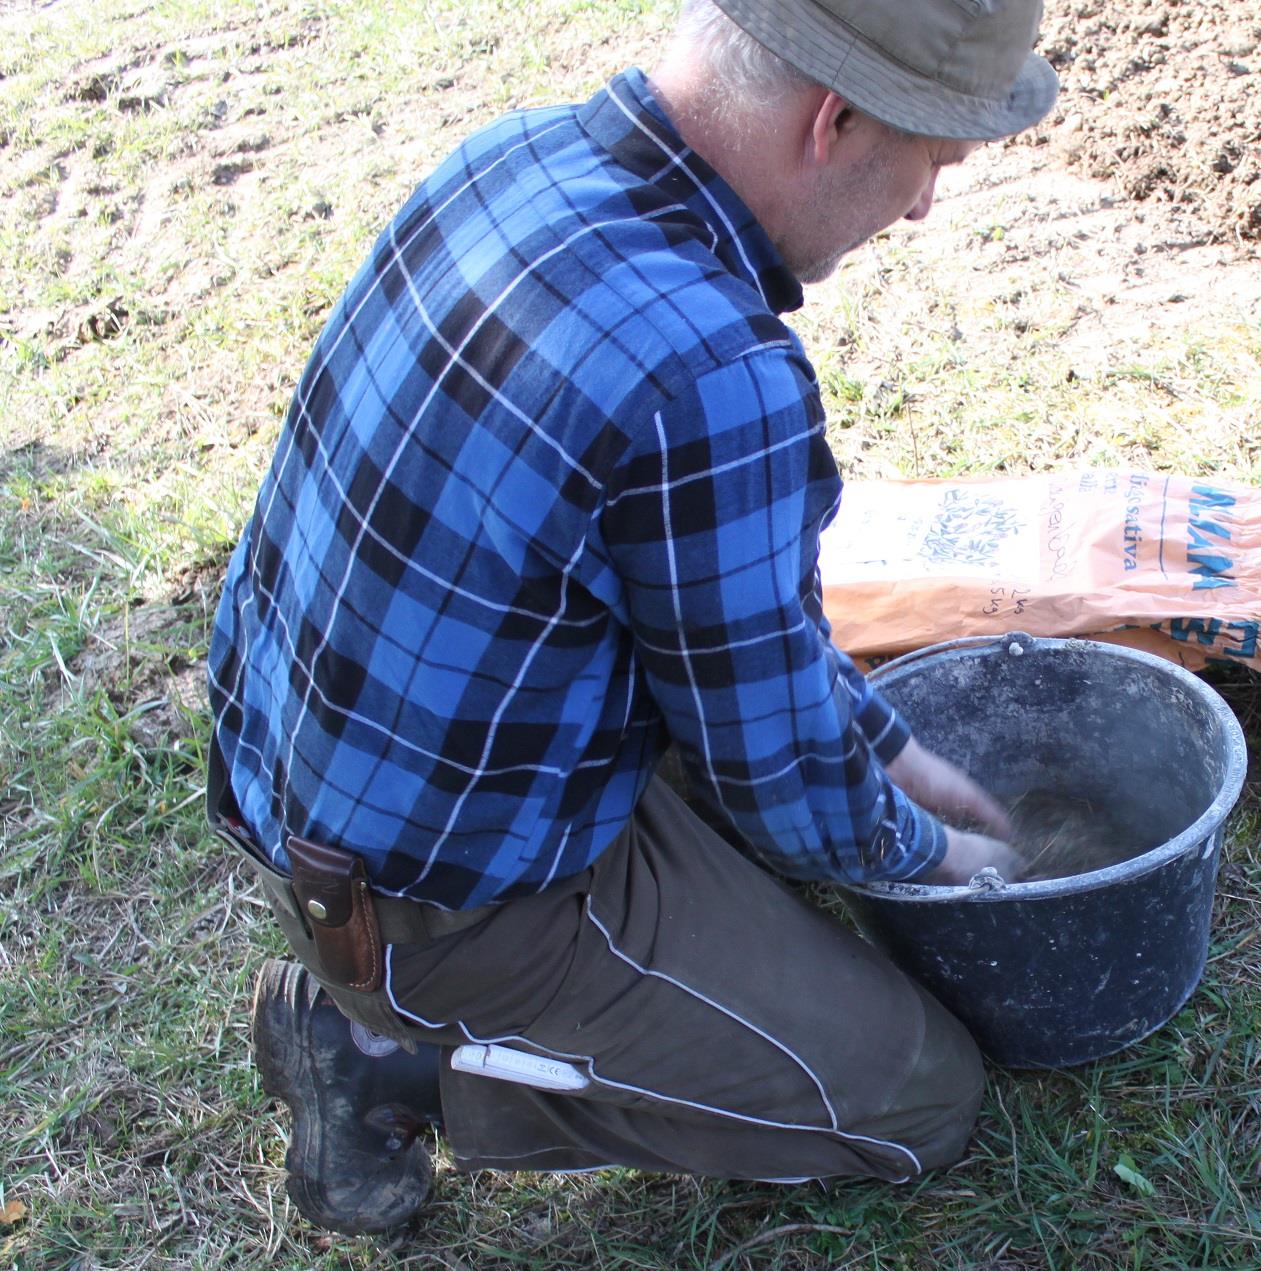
[[1061, 836], [1128, 766]]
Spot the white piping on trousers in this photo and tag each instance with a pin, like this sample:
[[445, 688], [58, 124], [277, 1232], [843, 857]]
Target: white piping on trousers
[[801, 1063], [589, 1061]]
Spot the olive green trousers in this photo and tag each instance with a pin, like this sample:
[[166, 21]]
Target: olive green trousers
[[728, 1027]]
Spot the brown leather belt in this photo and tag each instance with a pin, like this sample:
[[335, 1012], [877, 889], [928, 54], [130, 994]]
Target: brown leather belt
[[334, 920], [399, 921]]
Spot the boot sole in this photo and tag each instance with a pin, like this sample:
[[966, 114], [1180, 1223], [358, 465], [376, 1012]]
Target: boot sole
[[278, 982], [284, 1071]]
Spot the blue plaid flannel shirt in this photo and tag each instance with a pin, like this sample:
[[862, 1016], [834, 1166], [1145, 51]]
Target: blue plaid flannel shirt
[[547, 498]]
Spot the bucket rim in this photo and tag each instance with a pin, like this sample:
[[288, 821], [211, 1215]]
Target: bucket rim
[[1206, 829]]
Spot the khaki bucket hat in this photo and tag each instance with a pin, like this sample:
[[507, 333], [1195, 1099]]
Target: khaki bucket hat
[[939, 68]]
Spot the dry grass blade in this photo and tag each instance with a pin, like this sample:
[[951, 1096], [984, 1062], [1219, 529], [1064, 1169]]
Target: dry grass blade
[[776, 1233], [1062, 835]]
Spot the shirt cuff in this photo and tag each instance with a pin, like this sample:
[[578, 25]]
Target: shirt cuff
[[922, 835]]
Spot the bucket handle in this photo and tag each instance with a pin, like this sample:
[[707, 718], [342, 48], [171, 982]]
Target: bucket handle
[[1014, 642]]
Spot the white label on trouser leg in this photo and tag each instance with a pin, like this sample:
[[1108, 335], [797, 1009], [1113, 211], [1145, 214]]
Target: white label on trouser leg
[[515, 1065]]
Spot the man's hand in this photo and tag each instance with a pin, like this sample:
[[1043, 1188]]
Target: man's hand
[[940, 787], [966, 854]]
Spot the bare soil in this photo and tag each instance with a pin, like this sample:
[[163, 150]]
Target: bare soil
[[1162, 98]]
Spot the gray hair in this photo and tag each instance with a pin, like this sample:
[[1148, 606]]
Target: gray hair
[[752, 78]]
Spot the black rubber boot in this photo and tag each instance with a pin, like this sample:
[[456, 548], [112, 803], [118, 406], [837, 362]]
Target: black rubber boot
[[358, 1100]]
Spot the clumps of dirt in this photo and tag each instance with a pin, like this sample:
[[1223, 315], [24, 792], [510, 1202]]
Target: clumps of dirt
[[139, 88], [1162, 97], [102, 320], [58, 332], [227, 173], [147, 662]]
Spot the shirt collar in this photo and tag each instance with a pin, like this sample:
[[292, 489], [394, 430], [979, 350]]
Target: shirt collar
[[628, 121]]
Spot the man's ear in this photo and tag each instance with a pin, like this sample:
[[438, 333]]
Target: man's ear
[[832, 116]]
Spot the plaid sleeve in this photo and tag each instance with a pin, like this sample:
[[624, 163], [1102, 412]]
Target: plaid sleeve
[[883, 727], [714, 532]]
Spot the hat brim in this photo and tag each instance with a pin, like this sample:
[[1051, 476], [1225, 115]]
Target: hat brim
[[841, 60]]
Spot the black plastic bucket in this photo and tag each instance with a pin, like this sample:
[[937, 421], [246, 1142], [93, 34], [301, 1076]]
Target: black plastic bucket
[[1061, 971]]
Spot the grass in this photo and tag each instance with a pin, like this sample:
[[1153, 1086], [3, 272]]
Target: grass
[[186, 188]]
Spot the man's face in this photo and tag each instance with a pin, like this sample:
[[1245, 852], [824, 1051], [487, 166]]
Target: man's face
[[878, 177]]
